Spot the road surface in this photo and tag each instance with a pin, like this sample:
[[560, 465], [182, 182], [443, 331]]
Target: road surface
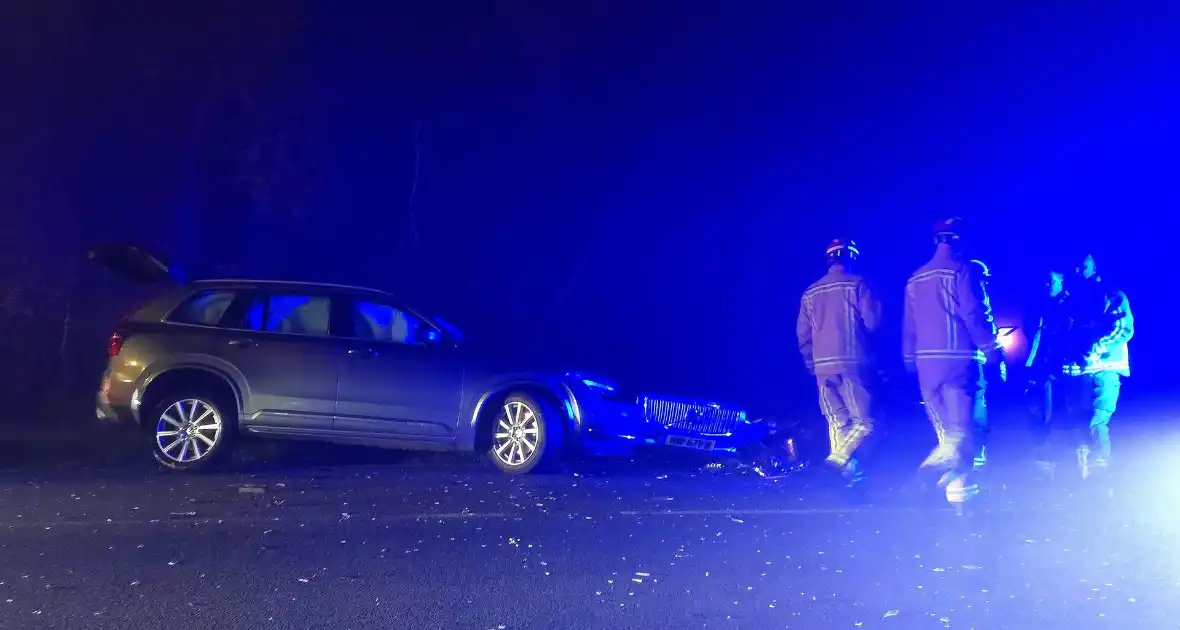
[[446, 543]]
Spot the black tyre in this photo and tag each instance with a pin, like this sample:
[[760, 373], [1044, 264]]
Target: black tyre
[[525, 433], [191, 431]]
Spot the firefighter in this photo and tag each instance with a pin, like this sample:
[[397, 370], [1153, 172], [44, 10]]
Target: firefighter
[[1102, 327], [1046, 355], [838, 316], [947, 336]]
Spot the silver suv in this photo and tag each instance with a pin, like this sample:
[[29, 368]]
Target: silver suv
[[206, 361]]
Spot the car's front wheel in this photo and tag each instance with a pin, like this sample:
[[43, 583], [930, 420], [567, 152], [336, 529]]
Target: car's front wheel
[[524, 434], [192, 432]]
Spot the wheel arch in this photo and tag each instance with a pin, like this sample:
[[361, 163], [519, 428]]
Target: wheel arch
[[478, 435], [185, 375]]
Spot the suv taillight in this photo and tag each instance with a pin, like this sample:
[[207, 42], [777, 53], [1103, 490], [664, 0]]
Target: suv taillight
[[114, 344]]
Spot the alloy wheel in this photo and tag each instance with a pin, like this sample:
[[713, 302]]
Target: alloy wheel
[[517, 434], [188, 430]]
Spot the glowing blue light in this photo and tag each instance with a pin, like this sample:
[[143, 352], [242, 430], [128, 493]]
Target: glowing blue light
[[449, 329], [596, 385]]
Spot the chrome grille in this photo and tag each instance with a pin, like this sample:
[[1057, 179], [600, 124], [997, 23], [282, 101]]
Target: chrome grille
[[706, 418]]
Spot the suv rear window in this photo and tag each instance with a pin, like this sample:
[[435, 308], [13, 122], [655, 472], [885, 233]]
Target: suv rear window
[[206, 308]]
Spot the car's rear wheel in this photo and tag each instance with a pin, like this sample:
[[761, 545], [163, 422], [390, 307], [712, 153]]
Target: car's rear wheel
[[525, 434], [192, 432]]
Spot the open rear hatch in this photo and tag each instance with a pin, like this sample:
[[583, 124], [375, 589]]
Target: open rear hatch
[[132, 262]]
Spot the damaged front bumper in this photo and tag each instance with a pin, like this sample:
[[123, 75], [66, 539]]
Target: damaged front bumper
[[613, 426]]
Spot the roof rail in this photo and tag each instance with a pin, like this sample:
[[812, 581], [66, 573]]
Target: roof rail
[[294, 283]]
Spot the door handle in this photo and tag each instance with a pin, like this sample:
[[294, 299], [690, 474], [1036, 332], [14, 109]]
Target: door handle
[[241, 343], [364, 353]]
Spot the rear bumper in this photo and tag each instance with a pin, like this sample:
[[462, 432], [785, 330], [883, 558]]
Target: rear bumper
[[107, 414], [111, 412]]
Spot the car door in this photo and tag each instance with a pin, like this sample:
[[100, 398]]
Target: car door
[[288, 359], [397, 378]]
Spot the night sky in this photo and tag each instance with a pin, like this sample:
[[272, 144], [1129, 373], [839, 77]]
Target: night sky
[[641, 188]]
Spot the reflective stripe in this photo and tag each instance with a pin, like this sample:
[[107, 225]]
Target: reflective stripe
[[975, 355], [1074, 369], [850, 323], [836, 248], [947, 353], [859, 429], [828, 287], [933, 300], [848, 288], [962, 493], [936, 422], [836, 326], [931, 273], [833, 421], [948, 292], [843, 359]]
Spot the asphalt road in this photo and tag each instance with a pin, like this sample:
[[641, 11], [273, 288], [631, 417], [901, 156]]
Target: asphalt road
[[405, 542]]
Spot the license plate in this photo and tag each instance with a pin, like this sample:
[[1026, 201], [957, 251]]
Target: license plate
[[687, 442]]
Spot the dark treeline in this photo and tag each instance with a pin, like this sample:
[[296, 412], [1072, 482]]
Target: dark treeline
[[640, 192]]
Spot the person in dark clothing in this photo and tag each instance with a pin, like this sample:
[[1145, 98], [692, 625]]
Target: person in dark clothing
[[1045, 357]]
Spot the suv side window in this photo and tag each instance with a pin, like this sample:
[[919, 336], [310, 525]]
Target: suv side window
[[374, 321], [289, 313], [206, 308]]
